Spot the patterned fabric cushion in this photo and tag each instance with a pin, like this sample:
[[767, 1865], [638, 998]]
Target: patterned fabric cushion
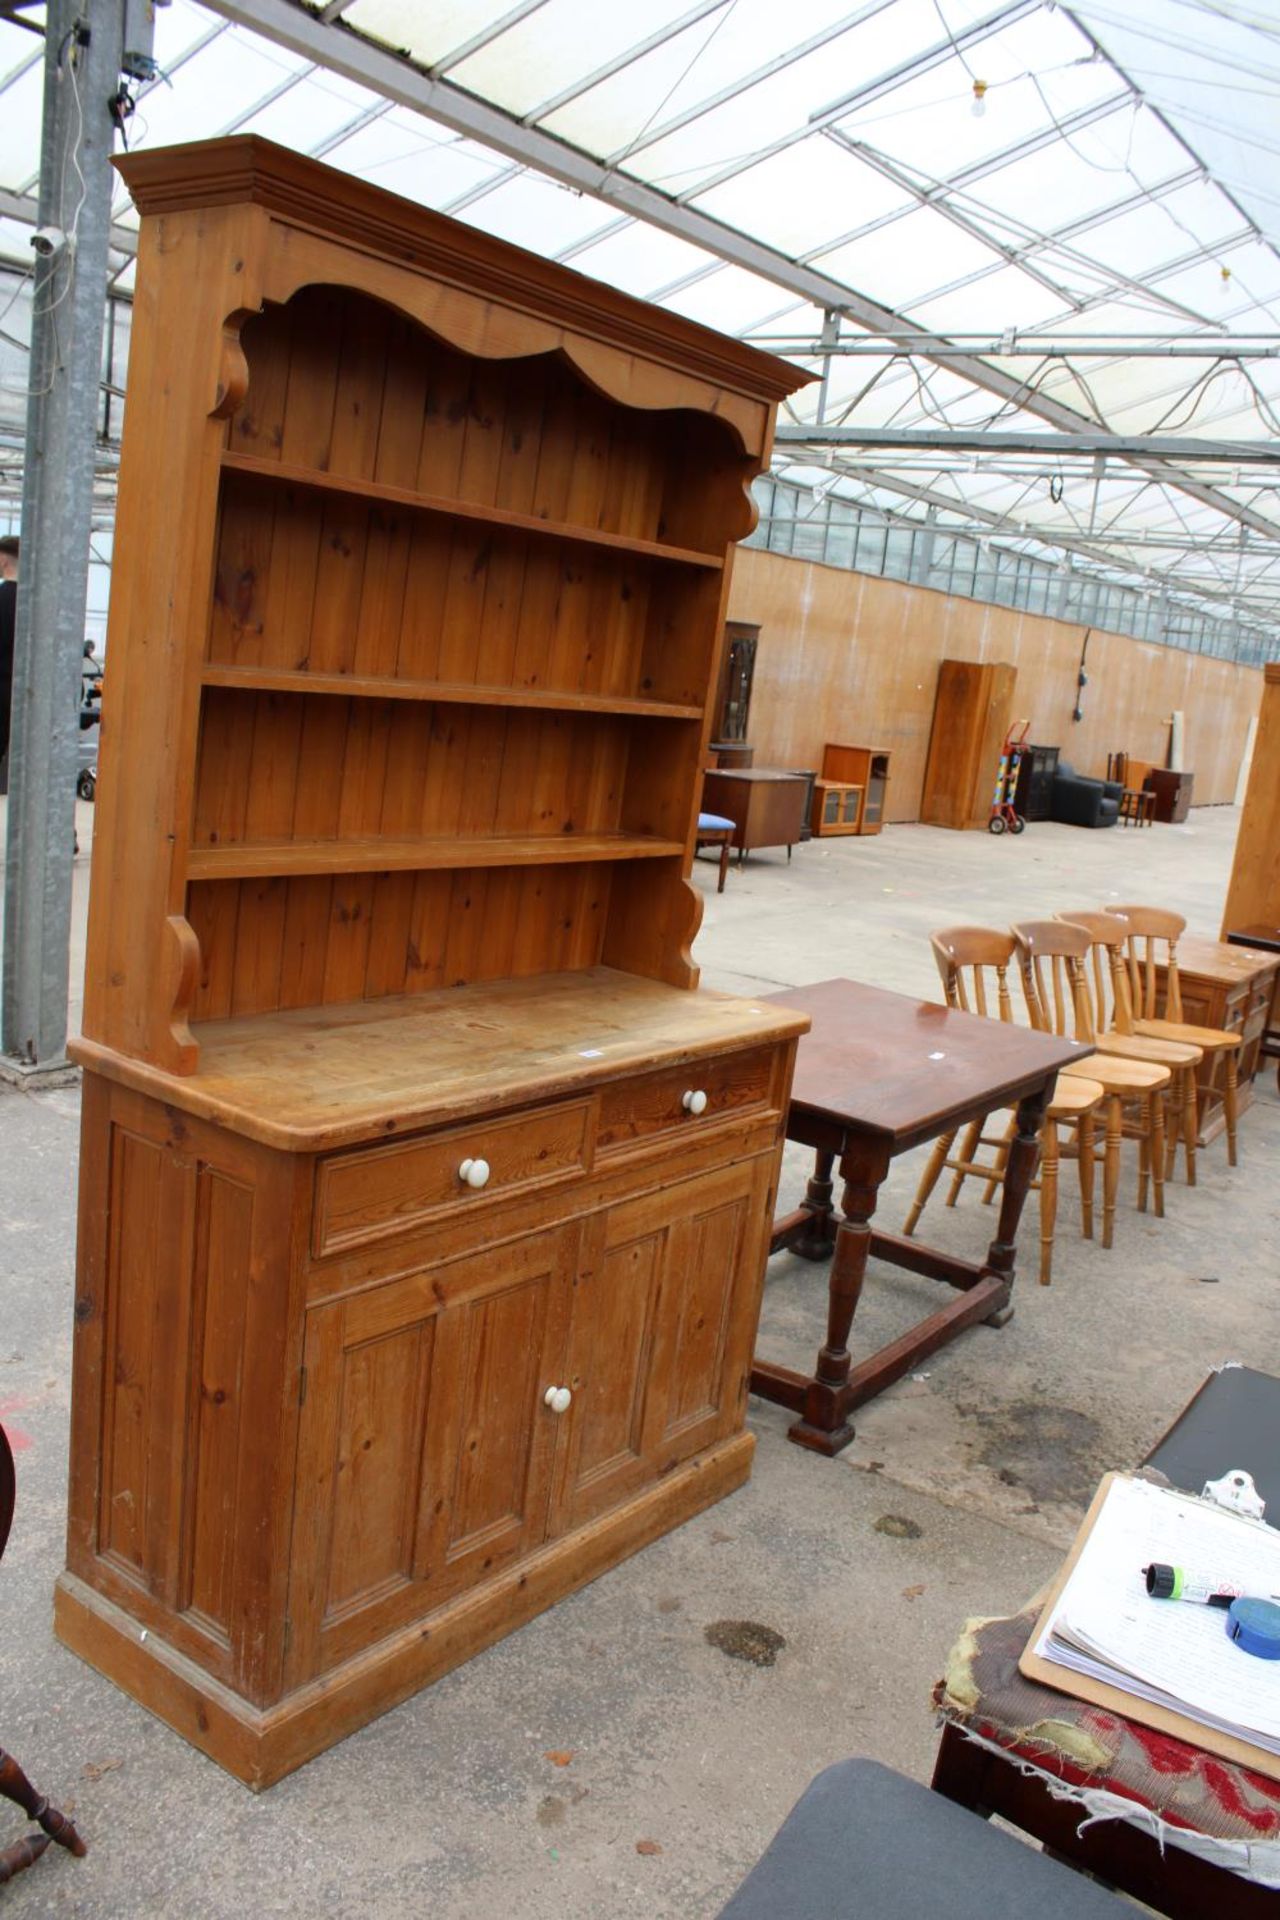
[[1101, 1758]]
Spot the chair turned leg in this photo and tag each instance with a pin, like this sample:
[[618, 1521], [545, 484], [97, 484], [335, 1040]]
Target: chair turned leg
[[1144, 1152], [15, 1786], [1048, 1196], [1190, 1124], [1001, 1162], [968, 1147], [1229, 1106], [21, 1855], [725, 851], [929, 1180], [1084, 1164], [1111, 1166], [1157, 1154], [1174, 1130]]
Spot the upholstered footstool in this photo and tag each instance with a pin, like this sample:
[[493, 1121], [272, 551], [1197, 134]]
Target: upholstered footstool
[[863, 1843], [1191, 1835]]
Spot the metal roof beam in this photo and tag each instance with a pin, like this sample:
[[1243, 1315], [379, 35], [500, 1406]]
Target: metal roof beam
[[998, 525], [1029, 346], [290, 81], [349, 128], [33, 59], [585, 82], [360, 59], [864, 96], [1032, 240], [701, 108], [934, 197], [487, 35]]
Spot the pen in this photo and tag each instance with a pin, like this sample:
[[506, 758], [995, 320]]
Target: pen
[[1175, 1583]]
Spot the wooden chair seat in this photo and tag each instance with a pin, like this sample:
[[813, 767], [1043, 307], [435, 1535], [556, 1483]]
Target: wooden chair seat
[[1145, 1046], [1108, 936], [984, 954], [1208, 1039], [1074, 1094], [1120, 1075], [1155, 997], [1052, 959]]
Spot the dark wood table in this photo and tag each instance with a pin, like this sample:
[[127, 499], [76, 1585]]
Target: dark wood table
[[877, 1074]]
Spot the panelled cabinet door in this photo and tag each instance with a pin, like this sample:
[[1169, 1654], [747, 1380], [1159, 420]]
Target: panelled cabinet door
[[427, 1448], [661, 1330]]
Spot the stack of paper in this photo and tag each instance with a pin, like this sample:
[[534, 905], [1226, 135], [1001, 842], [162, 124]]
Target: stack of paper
[[1169, 1652]]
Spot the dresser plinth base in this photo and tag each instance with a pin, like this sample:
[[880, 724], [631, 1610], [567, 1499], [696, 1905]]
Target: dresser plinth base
[[260, 1746]]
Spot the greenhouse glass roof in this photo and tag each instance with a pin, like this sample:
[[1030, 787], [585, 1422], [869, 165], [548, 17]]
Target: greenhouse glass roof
[[1032, 249]]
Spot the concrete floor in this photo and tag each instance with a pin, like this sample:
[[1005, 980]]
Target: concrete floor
[[451, 1805]]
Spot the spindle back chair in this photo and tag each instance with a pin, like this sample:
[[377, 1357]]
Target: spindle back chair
[[1052, 956], [974, 963]]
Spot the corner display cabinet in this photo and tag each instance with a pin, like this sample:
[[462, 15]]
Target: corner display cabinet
[[424, 1200]]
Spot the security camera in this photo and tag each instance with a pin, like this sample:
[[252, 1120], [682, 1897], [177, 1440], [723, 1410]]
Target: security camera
[[48, 241]]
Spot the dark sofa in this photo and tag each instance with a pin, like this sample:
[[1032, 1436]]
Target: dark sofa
[[1079, 801]]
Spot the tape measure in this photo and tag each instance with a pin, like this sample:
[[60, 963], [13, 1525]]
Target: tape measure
[[1254, 1625]]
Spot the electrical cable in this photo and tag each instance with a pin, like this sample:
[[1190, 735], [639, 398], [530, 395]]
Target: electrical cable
[[675, 86]]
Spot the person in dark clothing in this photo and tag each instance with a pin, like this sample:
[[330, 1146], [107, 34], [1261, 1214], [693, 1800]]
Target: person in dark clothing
[[9, 550]]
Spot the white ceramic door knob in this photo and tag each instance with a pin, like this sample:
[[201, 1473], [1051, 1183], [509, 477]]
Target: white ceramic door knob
[[557, 1398], [695, 1102], [474, 1173]]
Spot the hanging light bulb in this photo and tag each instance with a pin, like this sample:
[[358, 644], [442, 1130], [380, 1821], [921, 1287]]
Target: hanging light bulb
[[1224, 281], [979, 106]]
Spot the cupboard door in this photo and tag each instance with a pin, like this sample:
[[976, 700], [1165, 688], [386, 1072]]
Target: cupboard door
[[426, 1448], [662, 1326]]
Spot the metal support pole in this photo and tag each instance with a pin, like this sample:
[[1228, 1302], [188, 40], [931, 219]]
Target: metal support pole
[[830, 337], [83, 52], [922, 553]]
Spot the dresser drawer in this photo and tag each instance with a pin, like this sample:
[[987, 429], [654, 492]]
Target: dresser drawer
[[653, 1104], [379, 1191]]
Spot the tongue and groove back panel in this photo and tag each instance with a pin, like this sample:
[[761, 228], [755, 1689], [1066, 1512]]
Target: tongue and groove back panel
[[524, 548]]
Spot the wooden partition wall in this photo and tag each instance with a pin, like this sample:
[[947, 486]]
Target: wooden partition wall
[[850, 656]]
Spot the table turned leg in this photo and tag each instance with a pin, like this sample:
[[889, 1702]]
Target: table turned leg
[[1019, 1172], [22, 1854], [811, 1230], [15, 1786], [823, 1426]]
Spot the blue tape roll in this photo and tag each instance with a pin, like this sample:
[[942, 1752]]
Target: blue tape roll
[[1254, 1625]]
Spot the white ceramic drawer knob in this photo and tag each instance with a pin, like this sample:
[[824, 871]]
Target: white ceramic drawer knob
[[557, 1398], [474, 1173], [695, 1102]]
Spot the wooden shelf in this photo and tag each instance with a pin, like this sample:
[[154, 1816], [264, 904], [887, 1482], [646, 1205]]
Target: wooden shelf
[[285, 474], [253, 860], [445, 692]]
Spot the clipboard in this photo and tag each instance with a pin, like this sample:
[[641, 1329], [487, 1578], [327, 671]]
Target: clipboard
[[1131, 1706]]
